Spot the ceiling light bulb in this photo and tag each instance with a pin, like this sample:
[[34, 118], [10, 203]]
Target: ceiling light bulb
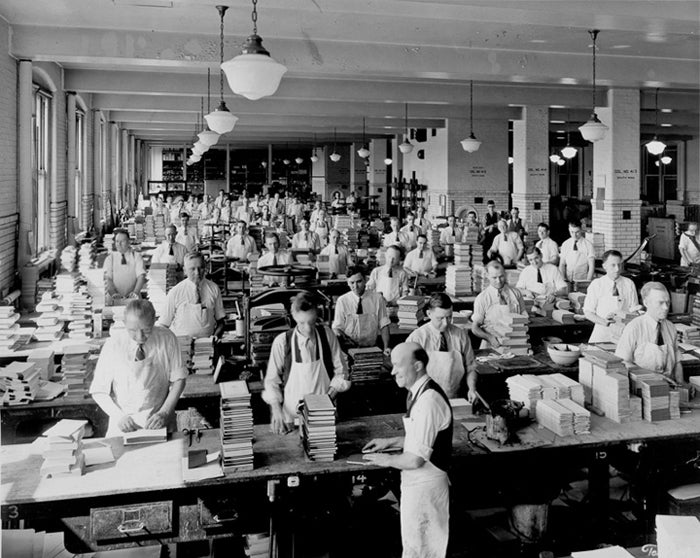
[[554, 158], [594, 129], [406, 147], [314, 158], [298, 160], [666, 159], [363, 152], [470, 144], [264, 164], [334, 157], [286, 161], [569, 152], [221, 120], [655, 146]]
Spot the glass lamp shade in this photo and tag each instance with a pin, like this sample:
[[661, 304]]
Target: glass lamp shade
[[406, 147], [594, 129], [298, 160], [657, 163], [334, 157], [470, 144], [208, 138], [363, 152], [199, 149], [286, 161], [561, 162], [189, 162], [666, 159], [195, 158], [253, 73], [655, 146], [554, 158], [388, 161], [510, 160], [569, 152], [221, 120], [264, 164], [314, 158]]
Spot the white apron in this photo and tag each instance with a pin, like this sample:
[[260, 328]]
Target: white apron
[[304, 378], [363, 329], [652, 357], [576, 266], [389, 287], [193, 320], [447, 369], [141, 387], [493, 315], [507, 250], [601, 333], [337, 263], [425, 509]]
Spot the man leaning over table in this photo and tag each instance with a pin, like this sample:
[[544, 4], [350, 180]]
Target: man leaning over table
[[140, 370]]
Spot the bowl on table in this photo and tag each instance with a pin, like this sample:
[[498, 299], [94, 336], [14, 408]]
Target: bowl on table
[[563, 353]]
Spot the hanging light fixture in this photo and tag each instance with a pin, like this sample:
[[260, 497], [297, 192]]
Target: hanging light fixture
[[594, 129], [656, 146], [286, 161], [363, 151], [406, 146], [208, 137], [253, 73], [666, 160], [568, 152], [221, 120], [561, 162], [264, 164], [299, 160], [195, 158], [314, 157], [388, 161], [554, 158], [334, 156], [471, 144]]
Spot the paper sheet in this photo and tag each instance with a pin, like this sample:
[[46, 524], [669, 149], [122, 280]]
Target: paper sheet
[[609, 552]]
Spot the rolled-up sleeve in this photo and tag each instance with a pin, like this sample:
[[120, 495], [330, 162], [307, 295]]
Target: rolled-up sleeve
[[104, 370], [339, 381], [139, 268], [382, 315], [429, 415], [272, 391], [178, 370]]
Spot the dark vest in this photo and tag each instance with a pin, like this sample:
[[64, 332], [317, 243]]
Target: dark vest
[[442, 447], [325, 350]]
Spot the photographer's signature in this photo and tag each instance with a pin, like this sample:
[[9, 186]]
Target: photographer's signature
[[650, 550]]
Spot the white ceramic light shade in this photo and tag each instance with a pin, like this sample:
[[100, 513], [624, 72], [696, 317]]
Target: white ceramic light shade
[[561, 162], [594, 129], [554, 158], [199, 149], [406, 147], [470, 144], [195, 158], [298, 160], [208, 138], [388, 161], [363, 152], [569, 152], [655, 146], [666, 159], [221, 120], [286, 161], [314, 158], [253, 75], [335, 157]]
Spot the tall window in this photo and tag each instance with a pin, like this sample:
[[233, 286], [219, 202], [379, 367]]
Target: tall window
[[660, 180], [79, 167], [42, 165]]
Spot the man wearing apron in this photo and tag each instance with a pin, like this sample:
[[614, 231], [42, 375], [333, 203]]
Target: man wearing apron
[[541, 280], [170, 251], [360, 316], [411, 232], [507, 245], [493, 303], [140, 370], [125, 274], [650, 340], [689, 246], [452, 363], [491, 219], [421, 261], [395, 237], [449, 235], [337, 254], [299, 365], [422, 221], [577, 258], [306, 239], [427, 446], [608, 295], [187, 235], [241, 245], [194, 307], [273, 256], [390, 279]]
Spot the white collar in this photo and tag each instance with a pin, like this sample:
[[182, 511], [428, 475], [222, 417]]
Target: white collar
[[418, 384]]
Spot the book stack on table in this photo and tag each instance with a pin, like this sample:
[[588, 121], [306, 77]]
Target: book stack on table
[[458, 280], [9, 328], [512, 331], [161, 278], [318, 427], [606, 385], [365, 363], [202, 355], [410, 312], [49, 326], [20, 383], [77, 313], [236, 427], [63, 455], [77, 369]]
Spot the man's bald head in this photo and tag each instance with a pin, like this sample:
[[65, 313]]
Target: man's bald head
[[409, 362]]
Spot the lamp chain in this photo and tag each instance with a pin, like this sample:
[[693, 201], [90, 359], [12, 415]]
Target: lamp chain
[[208, 90], [222, 11], [471, 107], [656, 111], [254, 17], [594, 36], [406, 119]]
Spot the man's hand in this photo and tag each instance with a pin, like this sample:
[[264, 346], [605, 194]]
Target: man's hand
[[127, 424], [387, 352], [156, 420], [494, 341], [277, 424], [380, 459], [377, 444], [471, 396], [332, 392]]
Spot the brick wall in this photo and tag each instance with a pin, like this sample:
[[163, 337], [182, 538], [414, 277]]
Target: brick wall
[[620, 233], [8, 161], [531, 217]]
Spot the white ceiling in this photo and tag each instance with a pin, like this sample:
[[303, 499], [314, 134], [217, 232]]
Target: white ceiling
[[350, 59]]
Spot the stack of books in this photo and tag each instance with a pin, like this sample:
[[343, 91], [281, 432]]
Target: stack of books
[[512, 331], [108, 242], [266, 322], [185, 343], [202, 355], [76, 370], [86, 257], [161, 278], [462, 253], [655, 400], [695, 311], [366, 363], [77, 313], [69, 258], [362, 240], [572, 389], [594, 363], [43, 359], [688, 334], [236, 427], [95, 283], [149, 230], [581, 416], [343, 221], [479, 279], [611, 395], [470, 236], [458, 280], [318, 427], [66, 283], [159, 224], [351, 238], [20, 383], [525, 388], [49, 326], [63, 453], [555, 417], [255, 278], [9, 328], [410, 312]]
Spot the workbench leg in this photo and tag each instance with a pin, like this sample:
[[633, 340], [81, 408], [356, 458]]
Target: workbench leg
[[599, 493]]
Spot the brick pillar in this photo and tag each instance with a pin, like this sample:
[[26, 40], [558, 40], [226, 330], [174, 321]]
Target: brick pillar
[[531, 167], [377, 172], [358, 171], [616, 203]]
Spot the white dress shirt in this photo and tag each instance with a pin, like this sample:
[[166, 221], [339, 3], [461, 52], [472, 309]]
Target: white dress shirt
[[185, 293], [549, 249], [346, 306], [306, 240], [338, 263], [489, 297], [124, 276], [240, 248], [397, 239], [391, 288], [577, 261], [599, 301], [552, 280], [422, 266], [162, 253], [450, 235]]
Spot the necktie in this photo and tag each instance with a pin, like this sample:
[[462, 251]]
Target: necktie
[[306, 237], [359, 306], [170, 252], [443, 343], [659, 335], [274, 259], [336, 249], [140, 352], [391, 273], [575, 245], [123, 259], [420, 254], [411, 228], [539, 275], [242, 241], [197, 296], [502, 298], [409, 400], [615, 292]]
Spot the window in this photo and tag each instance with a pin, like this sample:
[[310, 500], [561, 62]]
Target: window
[[566, 178], [79, 168], [41, 166], [660, 179]]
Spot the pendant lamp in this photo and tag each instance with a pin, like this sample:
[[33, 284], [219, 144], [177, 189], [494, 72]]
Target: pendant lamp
[[299, 160], [561, 162], [388, 161], [569, 152], [253, 73], [406, 146], [594, 129], [221, 120], [471, 144], [666, 159], [334, 156], [363, 151], [656, 146], [314, 157], [554, 158], [206, 136]]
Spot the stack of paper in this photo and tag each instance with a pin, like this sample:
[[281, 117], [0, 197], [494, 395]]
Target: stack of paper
[[410, 311], [86, 257], [695, 311], [236, 427], [9, 328], [266, 322], [185, 344], [555, 417], [95, 282], [255, 278], [343, 221], [611, 395], [351, 238], [655, 399], [365, 363], [470, 236], [77, 313], [149, 230], [674, 404], [575, 390], [69, 258], [202, 355], [63, 455], [257, 545], [597, 361], [49, 327], [159, 224], [76, 370], [512, 331], [479, 279], [66, 283], [677, 536], [161, 278], [688, 334], [43, 359], [458, 280], [462, 253], [20, 383], [581, 416], [318, 427], [525, 388]]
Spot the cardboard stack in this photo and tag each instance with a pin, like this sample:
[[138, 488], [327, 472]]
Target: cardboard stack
[[43, 359], [365, 363], [458, 280], [236, 427], [9, 328], [410, 312], [49, 326], [77, 369], [202, 355], [512, 330], [318, 427], [20, 383], [555, 417], [63, 454]]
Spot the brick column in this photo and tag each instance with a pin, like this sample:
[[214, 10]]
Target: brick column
[[71, 154], [358, 171], [616, 203], [531, 167], [377, 172]]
